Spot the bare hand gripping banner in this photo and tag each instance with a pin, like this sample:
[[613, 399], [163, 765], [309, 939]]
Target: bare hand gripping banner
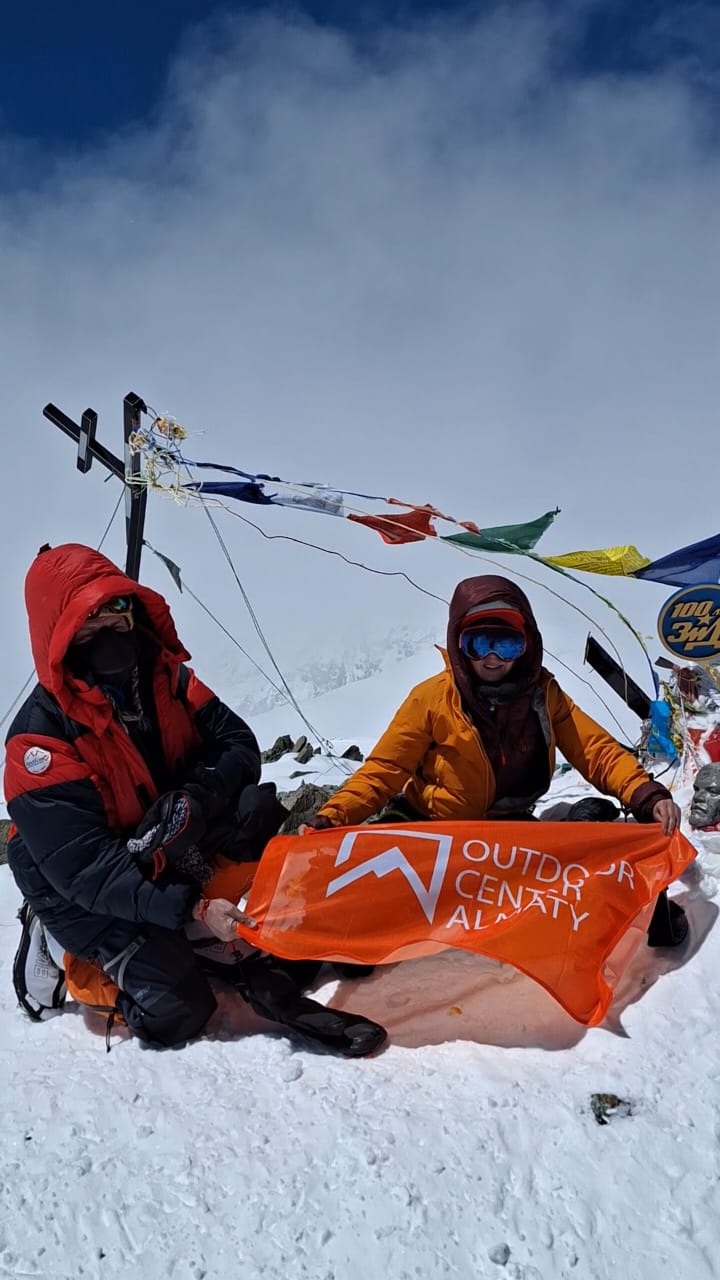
[[552, 898]]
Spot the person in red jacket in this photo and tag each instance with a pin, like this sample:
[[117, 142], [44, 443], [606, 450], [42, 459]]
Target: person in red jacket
[[479, 739], [126, 779]]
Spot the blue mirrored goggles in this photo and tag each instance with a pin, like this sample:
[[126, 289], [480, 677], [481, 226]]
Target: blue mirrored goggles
[[506, 645], [118, 605]]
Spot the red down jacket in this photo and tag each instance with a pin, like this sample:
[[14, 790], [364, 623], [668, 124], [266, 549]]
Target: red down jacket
[[76, 784]]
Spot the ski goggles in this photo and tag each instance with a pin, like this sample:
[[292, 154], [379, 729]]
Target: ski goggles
[[506, 645], [118, 607]]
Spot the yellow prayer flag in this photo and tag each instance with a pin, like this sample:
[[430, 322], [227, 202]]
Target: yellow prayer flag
[[620, 561]]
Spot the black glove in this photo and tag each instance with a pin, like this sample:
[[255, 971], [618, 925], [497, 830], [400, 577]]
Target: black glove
[[318, 823], [166, 841], [242, 833], [207, 789]]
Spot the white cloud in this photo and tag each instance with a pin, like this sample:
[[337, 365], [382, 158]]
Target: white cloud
[[436, 268]]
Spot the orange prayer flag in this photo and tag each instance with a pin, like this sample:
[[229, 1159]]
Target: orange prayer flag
[[412, 526], [550, 898]]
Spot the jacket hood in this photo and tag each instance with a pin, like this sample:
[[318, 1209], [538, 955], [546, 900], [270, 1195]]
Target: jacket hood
[[63, 585], [468, 595]]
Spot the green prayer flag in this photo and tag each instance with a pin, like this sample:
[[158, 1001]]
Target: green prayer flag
[[510, 538]]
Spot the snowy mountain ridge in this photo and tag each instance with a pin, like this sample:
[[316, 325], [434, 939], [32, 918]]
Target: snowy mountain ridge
[[253, 695]]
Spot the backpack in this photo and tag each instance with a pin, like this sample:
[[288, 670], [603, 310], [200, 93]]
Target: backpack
[[38, 978]]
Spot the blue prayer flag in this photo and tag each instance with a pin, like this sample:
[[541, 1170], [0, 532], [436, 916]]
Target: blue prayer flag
[[688, 567]]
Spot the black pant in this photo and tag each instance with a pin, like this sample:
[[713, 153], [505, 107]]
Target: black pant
[[164, 998]]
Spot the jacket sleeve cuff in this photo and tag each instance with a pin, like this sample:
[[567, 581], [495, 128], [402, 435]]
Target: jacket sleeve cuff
[[171, 906], [333, 816], [645, 797]]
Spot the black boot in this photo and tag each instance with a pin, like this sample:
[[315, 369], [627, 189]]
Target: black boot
[[270, 990], [669, 925], [302, 972]]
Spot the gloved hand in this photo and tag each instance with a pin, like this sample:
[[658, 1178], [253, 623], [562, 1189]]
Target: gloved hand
[[318, 823], [221, 917], [243, 830], [207, 789], [166, 840], [259, 812]]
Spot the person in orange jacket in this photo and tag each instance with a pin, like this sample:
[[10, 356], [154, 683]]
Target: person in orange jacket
[[479, 739]]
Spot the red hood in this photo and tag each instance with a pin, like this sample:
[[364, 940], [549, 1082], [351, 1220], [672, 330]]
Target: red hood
[[484, 590], [63, 585]]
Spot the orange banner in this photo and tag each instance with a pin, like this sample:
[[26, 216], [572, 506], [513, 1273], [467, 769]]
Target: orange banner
[[550, 898]]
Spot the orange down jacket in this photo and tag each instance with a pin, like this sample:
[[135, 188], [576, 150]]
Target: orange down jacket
[[432, 752]]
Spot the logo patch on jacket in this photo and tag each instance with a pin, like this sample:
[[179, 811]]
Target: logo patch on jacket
[[37, 760]]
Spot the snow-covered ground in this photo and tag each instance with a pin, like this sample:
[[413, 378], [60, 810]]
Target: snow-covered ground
[[468, 1148]]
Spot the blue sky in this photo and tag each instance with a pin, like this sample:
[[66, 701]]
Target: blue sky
[[72, 73], [471, 259]]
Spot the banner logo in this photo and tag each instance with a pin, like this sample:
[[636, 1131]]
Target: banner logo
[[689, 623], [393, 859]]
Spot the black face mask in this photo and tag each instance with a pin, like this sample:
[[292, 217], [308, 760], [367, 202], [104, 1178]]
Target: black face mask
[[108, 658]]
